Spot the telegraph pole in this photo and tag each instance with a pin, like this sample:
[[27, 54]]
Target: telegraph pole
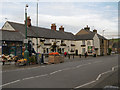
[[37, 26]]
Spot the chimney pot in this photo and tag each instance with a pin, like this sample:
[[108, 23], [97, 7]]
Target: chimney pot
[[87, 28], [95, 30], [53, 26], [28, 21], [61, 28]]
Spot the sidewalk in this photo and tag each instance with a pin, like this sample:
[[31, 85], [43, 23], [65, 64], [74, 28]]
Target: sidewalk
[[66, 59]]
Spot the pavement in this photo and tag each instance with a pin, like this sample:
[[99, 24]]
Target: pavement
[[77, 73], [12, 66]]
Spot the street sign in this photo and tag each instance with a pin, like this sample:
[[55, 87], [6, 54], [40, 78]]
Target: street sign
[[25, 40]]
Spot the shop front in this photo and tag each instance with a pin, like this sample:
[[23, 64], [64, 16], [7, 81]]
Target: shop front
[[12, 47]]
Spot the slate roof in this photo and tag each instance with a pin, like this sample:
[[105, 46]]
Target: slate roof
[[85, 36], [40, 32], [88, 36], [11, 35], [34, 31]]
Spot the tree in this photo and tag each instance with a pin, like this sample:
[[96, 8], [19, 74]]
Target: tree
[[109, 51]]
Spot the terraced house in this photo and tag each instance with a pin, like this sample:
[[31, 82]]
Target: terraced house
[[47, 40]]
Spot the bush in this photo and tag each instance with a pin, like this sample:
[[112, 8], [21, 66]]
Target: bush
[[109, 51], [32, 59]]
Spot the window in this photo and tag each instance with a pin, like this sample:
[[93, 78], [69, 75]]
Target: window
[[90, 49], [47, 41], [83, 51], [88, 43], [83, 42], [102, 41]]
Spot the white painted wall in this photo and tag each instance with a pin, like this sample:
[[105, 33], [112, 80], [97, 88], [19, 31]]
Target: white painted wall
[[96, 42], [7, 26], [68, 47], [78, 46], [87, 43]]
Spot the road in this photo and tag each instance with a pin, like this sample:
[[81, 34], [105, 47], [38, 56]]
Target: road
[[77, 74]]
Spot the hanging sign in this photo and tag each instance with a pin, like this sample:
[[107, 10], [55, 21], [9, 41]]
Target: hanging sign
[[25, 40]]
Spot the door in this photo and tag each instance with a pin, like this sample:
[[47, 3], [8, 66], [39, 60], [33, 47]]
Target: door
[[83, 51], [76, 52]]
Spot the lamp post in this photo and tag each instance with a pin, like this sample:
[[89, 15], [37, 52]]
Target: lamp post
[[37, 26], [26, 53]]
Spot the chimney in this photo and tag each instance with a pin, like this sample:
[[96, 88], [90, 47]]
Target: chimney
[[87, 28], [61, 28], [95, 31], [53, 26], [28, 21]]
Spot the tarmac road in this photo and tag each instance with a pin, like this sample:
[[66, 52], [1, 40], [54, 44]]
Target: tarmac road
[[77, 74]]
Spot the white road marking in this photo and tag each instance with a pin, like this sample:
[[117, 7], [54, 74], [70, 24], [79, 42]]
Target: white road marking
[[41, 75], [78, 66], [97, 61], [82, 65], [42, 66], [9, 83], [55, 72], [85, 84], [99, 76], [35, 77], [66, 69], [27, 78], [60, 70]]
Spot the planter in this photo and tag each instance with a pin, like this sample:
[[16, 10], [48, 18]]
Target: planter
[[55, 59]]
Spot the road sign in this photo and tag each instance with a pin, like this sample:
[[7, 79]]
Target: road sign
[[25, 40]]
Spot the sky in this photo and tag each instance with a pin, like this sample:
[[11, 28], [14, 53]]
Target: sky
[[73, 15]]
